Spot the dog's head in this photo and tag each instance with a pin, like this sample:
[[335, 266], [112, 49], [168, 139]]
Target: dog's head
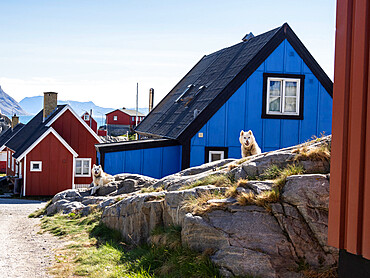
[[246, 138], [96, 170]]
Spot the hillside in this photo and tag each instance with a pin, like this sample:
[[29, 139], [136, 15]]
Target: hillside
[[9, 105], [34, 104]]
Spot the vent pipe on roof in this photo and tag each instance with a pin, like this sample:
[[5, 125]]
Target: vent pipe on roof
[[151, 99], [15, 121], [50, 103], [248, 37]]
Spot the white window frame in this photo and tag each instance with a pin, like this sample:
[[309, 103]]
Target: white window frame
[[8, 159], [13, 161], [115, 118], [32, 163], [87, 117], [283, 80], [82, 163], [133, 119], [222, 153]]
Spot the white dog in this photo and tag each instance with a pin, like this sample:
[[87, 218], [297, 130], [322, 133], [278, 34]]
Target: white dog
[[99, 178], [249, 145]]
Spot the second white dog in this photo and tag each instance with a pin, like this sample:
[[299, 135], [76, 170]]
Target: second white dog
[[248, 143]]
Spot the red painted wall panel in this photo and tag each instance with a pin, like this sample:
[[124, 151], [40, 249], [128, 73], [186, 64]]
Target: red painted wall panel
[[122, 118], [57, 167], [79, 138], [9, 171], [349, 208]]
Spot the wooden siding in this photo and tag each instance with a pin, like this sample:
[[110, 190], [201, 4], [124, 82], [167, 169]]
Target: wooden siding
[[244, 108], [122, 118], [349, 207], [9, 170], [152, 162], [57, 164], [79, 138]]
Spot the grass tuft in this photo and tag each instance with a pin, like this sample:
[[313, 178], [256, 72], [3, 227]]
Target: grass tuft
[[321, 153], [151, 189], [199, 205], [291, 169], [263, 199], [242, 183], [217, 180], [41, 211], [270, 173], [231, 166], [232, 191], [245, 199]]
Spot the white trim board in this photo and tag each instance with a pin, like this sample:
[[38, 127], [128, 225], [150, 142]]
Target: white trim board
[[48, 131], [67, 107]]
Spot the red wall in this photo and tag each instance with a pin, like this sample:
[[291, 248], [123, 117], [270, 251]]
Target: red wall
[[57, 168], [349, 205], [122, 118], [94, 124], [3, 167], [78, 137]]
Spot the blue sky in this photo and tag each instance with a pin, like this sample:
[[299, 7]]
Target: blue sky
[[97, 50]]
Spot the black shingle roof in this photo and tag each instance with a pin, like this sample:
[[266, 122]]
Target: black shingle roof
[[222, 72], [31, 132], [9, 133]]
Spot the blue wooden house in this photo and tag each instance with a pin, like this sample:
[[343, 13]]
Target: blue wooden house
[[268, 83]]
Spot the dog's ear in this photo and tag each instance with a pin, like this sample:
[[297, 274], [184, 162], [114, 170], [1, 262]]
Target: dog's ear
[[250, 132], [94, 165], [242, 133]]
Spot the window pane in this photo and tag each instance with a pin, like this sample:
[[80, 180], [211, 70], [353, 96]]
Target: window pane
[[86, 166], [291, 88], [78, 167], [290, 104], [36, 166], [275, 88], [215, 156], [274, 105]]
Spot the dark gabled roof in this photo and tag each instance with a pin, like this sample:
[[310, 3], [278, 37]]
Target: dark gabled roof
[[31, 132], [9, 133], [222, 72]]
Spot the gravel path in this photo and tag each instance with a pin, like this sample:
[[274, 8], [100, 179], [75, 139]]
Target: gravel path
[[23, 252]]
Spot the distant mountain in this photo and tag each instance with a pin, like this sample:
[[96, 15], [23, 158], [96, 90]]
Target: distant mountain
[[9, 105], [34, 104]]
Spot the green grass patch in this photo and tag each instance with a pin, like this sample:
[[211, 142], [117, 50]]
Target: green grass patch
[[41, 211], [291, 169], [97, 251]]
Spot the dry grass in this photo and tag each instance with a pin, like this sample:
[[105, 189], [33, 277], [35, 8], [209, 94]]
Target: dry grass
[[199, 205], [232, 191], [231, 166], [151, 189], [245, 199], [242, 182], [326, 273], [217, 180], [242, 160], [262, 199], [321, 153]]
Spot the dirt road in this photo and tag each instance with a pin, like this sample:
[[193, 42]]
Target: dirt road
[[23, 252]]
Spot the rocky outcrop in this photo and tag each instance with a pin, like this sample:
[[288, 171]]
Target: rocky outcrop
[[266, 241]]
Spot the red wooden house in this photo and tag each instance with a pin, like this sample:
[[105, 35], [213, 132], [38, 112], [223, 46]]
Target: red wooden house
[[8, 165], [122, 120], [54, 151], [90, 121]]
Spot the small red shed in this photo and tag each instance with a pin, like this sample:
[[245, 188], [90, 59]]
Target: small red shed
[[121, 120]]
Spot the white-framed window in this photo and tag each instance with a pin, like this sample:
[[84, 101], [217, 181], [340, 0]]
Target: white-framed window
[[115, 118], [36, 166], [87, 117], [283, 96], [16, 169], [215, 155], [83, 167], [133, 119]]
